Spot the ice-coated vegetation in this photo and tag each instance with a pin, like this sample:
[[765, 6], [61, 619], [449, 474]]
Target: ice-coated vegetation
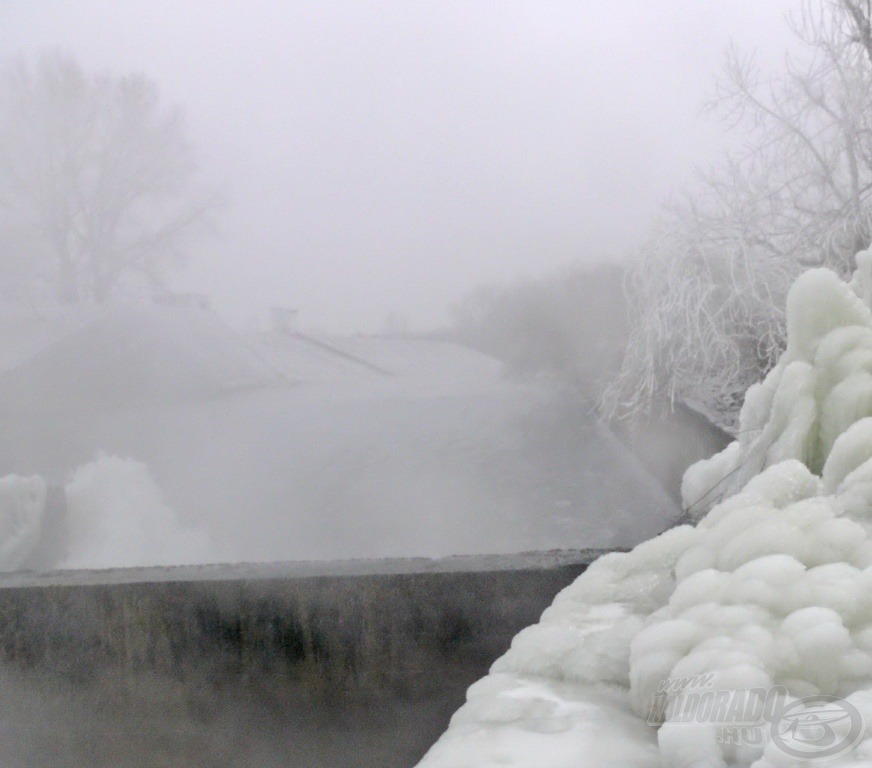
[[707, 292], [821, 386], [771, 591]]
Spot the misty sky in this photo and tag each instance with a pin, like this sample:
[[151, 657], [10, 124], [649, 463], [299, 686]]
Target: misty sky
[[387, 156]]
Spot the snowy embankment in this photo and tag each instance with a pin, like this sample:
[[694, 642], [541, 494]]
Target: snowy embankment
[[768, 598]]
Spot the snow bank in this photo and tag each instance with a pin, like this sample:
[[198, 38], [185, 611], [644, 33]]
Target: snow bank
[[770, 596], [117, 518]]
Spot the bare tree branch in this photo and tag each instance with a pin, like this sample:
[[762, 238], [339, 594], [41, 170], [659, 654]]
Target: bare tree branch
[[97, 179]]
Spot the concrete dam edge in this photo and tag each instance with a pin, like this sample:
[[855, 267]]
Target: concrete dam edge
[[378, 625], [380, 651]]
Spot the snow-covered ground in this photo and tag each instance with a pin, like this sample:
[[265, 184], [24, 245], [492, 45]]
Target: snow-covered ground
[[766, 602], [268, 446]]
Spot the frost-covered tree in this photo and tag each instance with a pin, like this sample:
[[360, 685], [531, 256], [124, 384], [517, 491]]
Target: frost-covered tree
[[709, 285], [96, 180], [569, 326]]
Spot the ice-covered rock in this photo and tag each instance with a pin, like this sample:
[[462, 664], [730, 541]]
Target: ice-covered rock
[[766, 601]]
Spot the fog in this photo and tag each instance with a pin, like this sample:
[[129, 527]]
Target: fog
[[177, 440], [49, 720], [386, 157], [322, 281], [367, 166]]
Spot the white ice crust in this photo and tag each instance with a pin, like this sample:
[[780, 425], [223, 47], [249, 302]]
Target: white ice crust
[[772, 590]]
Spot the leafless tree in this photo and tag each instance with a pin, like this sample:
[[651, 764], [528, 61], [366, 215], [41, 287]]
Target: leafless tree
[[709, 285], [97, 179]]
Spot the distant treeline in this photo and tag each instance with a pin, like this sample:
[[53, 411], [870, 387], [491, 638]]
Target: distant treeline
[[570, 326]]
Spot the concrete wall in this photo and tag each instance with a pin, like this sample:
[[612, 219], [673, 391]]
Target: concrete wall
[[333, 641]]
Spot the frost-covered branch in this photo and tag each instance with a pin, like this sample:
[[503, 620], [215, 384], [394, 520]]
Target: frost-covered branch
[[708, 286]]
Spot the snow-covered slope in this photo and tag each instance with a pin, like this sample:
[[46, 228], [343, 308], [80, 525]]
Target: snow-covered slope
[[768, 600]]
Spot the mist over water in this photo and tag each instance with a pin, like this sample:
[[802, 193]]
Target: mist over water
[[49, 720], [178, 440], [360, 170]]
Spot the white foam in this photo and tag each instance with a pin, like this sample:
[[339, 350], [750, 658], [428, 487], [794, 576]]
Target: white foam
[[116, 517]]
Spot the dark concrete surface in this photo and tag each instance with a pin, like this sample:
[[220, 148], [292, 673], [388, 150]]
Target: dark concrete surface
[[357, 663]]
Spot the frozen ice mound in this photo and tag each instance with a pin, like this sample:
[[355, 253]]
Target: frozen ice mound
[[115, 516], [820, 387], [771, 591]]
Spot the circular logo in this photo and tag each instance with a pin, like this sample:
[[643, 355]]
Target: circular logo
[[817, 728]]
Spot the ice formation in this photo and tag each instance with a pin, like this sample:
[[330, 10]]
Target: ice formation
[[116, 517], [22, 504], [820, 387], [770, 592]]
